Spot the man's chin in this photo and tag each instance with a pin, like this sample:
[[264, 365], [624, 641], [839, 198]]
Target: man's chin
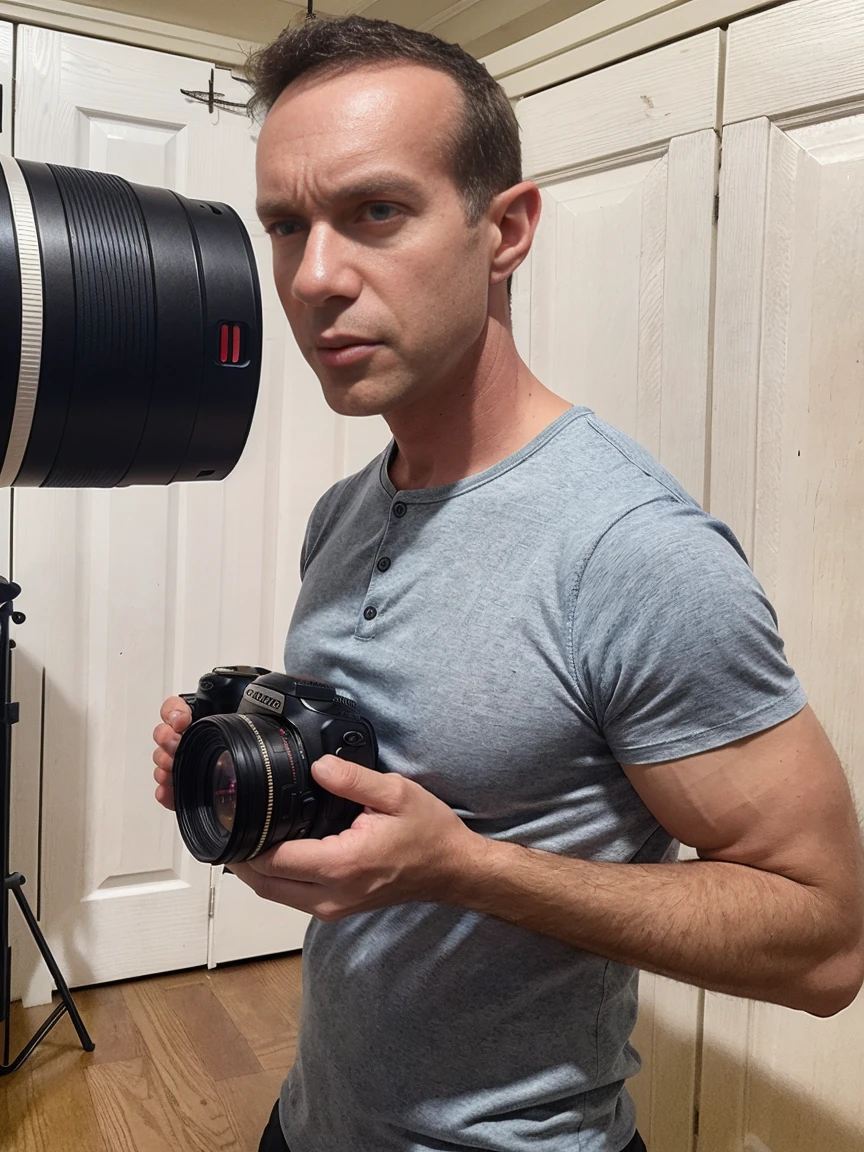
[[359, 398]]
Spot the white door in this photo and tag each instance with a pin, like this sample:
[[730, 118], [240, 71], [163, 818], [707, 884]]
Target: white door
[[25, 827], [613, 310], [132, 595], [788, 475]]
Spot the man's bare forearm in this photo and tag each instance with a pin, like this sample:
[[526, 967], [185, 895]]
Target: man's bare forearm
[[726, 927]]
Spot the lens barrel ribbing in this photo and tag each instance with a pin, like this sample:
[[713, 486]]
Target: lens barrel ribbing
[[116, 303]]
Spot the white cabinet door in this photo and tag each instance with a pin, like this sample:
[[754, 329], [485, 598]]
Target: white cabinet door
[[788, 475], [6, 43], [133, 594], [613, 310]]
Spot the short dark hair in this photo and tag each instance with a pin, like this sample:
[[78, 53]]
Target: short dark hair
[[486, 155]]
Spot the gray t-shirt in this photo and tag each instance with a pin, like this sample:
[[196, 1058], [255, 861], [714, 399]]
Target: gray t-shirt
[[566, 611]]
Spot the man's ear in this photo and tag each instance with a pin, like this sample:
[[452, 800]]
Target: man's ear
[[515, 214]]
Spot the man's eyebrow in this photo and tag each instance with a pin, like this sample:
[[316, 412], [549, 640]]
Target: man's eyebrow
[[381, 187]]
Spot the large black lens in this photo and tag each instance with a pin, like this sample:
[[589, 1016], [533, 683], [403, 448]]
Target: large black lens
[[241, 784], [130, 329]]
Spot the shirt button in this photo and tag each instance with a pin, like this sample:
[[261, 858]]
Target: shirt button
[[384, 563], [370, 613], [399, 509]]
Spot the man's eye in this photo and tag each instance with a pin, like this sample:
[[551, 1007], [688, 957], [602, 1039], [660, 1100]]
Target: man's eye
[[381, 213], [284, 228]]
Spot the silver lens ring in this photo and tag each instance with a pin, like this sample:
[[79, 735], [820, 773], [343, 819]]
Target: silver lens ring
[[30, 263]]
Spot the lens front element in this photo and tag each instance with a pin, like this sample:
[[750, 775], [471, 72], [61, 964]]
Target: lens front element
[[225, 791]]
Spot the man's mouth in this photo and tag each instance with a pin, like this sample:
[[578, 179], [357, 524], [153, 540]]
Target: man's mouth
[[339, 351]]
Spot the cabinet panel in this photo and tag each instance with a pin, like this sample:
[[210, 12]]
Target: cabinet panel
[[788, 474], [612, 309], [795, 59], [639, 104], [6, 43], [620, 294]]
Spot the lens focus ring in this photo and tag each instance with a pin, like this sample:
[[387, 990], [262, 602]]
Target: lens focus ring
[[268, 768]]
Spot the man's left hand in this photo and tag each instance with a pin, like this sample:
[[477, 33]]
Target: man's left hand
[[405, 845]]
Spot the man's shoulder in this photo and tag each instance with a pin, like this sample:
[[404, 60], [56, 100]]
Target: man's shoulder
[[607, 464], [647, 510], [593, 478]]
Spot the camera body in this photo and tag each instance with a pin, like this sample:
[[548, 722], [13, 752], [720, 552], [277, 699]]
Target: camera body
[[242, 770]]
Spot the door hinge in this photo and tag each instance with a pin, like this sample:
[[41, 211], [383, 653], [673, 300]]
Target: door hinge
[[695, 1124], [212, 908], [716, 207]]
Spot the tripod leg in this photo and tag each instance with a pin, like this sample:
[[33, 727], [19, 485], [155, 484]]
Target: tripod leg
[[15, 881], [7, 1000]]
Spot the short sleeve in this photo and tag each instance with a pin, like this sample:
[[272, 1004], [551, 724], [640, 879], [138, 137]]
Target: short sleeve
[[675, 646]]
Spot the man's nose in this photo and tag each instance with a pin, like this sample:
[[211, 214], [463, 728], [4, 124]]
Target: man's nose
[[326, 269]]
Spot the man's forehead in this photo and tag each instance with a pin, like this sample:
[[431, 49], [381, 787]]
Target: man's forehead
[[364, 132], [365, 104]]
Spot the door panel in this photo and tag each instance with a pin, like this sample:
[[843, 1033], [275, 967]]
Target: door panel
[[120, 896], [612, 309], [25, 799], [787, 474], [132, 595]]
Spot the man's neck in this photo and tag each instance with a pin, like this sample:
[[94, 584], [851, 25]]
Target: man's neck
[[471, 422]]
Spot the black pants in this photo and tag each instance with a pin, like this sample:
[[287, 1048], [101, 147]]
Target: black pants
[[274, 1141]]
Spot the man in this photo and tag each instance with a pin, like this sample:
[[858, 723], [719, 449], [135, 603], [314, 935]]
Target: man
[[569, 665]]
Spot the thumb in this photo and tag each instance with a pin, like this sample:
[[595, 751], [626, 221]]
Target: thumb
[[354, 782]]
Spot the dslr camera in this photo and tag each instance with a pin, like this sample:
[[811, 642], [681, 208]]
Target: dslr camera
[[242, 770]]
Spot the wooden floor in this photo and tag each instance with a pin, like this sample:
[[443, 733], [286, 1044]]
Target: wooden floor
[[190, 1062]]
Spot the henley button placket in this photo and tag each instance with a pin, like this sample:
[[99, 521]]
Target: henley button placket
[[383, 564]]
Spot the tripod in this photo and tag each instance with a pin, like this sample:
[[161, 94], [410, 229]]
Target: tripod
[[13, 881]]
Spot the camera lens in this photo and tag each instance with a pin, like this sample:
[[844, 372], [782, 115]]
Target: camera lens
[[241, 784], [130, 326]]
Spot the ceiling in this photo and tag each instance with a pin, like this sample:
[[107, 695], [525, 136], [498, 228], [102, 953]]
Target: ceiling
[[480, 26]]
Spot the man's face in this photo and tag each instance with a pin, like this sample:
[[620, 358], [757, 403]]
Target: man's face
[[384, 283]]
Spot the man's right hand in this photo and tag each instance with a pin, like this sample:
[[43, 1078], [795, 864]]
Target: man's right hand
[[177, 716]]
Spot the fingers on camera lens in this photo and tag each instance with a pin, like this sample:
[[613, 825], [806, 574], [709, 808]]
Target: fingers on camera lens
[[166, 738], [176, 712], [163, 775], [165, 796], [163, 760]]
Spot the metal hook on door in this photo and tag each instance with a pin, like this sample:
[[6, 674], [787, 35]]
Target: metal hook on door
[[211, 98], [217, 99]]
